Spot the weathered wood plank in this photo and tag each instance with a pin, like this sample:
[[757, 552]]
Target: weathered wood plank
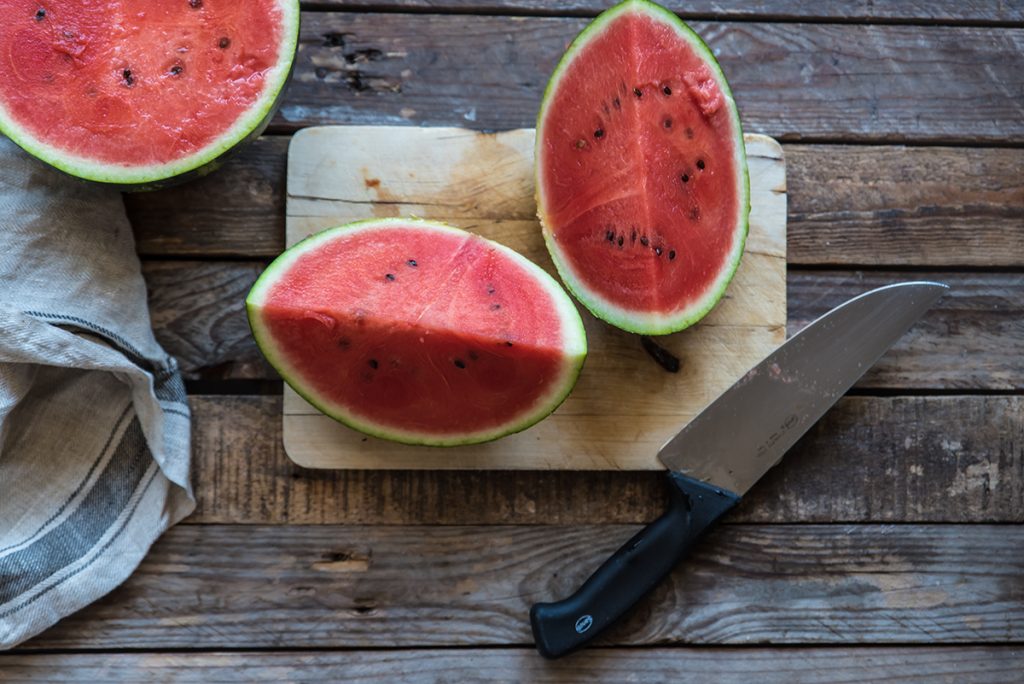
[[917, 11], [353, 586], [791, 81], [198, 313], [848, 204], [973, 339], [813, 665], [930, 459], [239, 210], [905, 206]]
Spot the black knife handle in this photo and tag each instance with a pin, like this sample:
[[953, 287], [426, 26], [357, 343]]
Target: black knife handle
[[632, 571]]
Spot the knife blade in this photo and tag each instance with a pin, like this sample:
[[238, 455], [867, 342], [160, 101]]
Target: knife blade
[[736, 439]]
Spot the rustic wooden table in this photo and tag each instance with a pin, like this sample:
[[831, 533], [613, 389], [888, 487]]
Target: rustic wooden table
[[889, 544]]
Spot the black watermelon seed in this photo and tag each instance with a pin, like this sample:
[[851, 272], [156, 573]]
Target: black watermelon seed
[[508, 343], [495, 307], [700, 164], [128, 78], [224, 43], [609, 235], [195, 4], [617, 103], [638, 92], [662, 356], [599, 133], [40, 14], [643, 240], [373, 364], [490, 289], [632, 238], [685, 178], [177, 69], [621, 240], [671, 254], [666, 90], [657, 251], [668, 123], [412, 262], [459, 363], [389, 277]]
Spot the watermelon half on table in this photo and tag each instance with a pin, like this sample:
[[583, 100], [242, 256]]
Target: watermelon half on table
[[642, 185], [136, 93], [418, 332]]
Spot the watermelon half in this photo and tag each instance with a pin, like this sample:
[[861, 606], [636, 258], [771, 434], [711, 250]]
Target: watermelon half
[[418, 332], [134, 93], [642, 185]]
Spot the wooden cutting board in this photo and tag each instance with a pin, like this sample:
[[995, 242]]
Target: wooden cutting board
[[625, 405]]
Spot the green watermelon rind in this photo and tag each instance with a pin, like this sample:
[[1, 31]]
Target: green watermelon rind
[[631, 320], [249, 126], [574, 339]]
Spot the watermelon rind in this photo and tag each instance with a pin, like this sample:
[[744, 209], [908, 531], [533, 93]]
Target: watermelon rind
[[246, 128], [627, 319], [574, 343]]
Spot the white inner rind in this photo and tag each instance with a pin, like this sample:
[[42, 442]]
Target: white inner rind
[[110, 172], [636, 320], [574, 342]]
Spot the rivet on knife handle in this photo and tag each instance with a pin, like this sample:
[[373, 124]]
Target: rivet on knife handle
[[632, 571]]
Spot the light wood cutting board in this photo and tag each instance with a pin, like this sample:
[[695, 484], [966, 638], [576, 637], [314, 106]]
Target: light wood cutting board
[[625, 405]]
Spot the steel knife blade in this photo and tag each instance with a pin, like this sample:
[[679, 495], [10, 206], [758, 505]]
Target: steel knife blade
[[728, 446], [748, 429]]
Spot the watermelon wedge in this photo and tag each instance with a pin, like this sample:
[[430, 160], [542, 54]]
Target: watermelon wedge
[[642, 185], [418, 332], [135, 93]]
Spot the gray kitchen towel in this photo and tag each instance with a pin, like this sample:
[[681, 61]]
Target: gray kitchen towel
[[94, 424]]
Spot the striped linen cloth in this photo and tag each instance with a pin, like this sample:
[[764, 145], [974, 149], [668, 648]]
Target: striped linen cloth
[[94, 424]]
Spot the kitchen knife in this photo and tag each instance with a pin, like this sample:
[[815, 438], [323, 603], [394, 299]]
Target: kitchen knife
[[722, 452]]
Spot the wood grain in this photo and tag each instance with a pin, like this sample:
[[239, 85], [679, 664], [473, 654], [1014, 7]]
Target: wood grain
[[815, 665], [237, 210], [624, 407], [198, 313], [848, 204], [356, 587], [916, 11], [973, 337], [931, 459], [791, 81], [972, 340], [906, 206]]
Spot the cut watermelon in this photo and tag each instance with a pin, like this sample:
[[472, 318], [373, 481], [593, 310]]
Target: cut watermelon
[[642, 185], [140, 92], [418, 332]]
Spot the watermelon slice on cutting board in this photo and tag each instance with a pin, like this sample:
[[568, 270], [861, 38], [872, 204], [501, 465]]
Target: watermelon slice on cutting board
[[624, 405], [642, 184], [141, 92], [418, 332]]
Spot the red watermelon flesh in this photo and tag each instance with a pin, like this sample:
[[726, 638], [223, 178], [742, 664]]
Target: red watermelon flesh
[[642, 185], [418, 332], [102, 88]]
